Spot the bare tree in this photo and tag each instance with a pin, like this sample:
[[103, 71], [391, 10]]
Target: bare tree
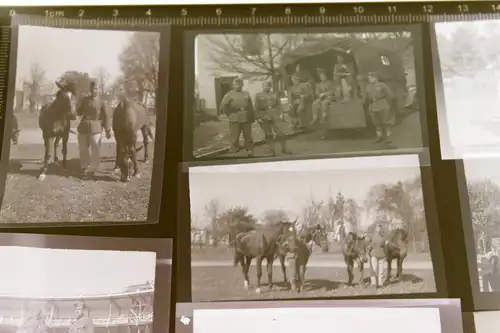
[[229, 54], [213, 211], [103, 77], [37, 78], [139, 63]]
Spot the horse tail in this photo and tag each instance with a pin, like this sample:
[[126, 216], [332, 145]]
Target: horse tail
[[237, 253]]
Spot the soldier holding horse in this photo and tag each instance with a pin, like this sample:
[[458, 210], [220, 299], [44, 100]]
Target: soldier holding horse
[[95, 117]]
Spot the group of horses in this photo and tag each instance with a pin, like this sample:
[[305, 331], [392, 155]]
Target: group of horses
[[282, 240], [128, 117]]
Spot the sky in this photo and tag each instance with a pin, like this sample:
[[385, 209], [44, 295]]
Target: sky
[[476, 169], [57, 50], [295, 320], [291, 184], [485, 26], [40, 272]]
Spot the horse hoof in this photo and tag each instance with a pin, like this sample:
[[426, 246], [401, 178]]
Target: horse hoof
[[116, 170], [258, 290], [138, 176], [41, 177]]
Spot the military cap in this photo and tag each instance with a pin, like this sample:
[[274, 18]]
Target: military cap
[[320, 70], [80, 305], [238, 80], [373, 74]]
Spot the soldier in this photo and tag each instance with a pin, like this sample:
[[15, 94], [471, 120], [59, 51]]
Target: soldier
[[82, 324], [269, 115], [303, 75], [380, 99], [95, 117], [237, 105], [325, 93], [342, 76], [298, 96], [376, 251]]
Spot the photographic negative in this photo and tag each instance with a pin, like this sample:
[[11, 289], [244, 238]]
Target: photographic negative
[[438, 315], [483, 194], [313, 92], [467, 72], [68, 289], [81, 123], [337, 217]]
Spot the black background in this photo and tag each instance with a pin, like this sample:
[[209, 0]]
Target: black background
[[447, 189]]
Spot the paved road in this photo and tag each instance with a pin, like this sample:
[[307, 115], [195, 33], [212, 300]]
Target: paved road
[[34, 136], [413, 265]]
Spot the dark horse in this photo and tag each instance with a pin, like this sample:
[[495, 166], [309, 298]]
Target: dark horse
[[317, 234], [128, 118], [354, 251], [396, 247], [54, 121], [262, 243]]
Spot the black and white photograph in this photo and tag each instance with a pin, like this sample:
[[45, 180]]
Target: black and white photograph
[[437, 315], [469, 66], [483, 189], [71, 290], [275, 93], [300, 319], [80, 140], [357, 224]]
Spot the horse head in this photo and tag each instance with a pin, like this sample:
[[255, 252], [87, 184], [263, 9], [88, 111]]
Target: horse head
[[355, 246], [320, 237], [64, 105]]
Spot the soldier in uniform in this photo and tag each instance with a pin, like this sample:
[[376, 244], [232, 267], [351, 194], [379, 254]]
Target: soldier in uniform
[[237, 105], [82, 324], [269, 115], [325, 93], [303, 75], [298, 97], [376, 251], [94, 117], [380, 98]]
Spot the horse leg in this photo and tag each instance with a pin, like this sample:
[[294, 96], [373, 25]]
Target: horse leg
[[269, 261], [145, 141], [302, 277], [65, 140], [133, 156], [245, 266], [49, 145], [389, 269], [361, 267], [259, 272], [56, 148], [350, 274], [283, 267], [118, 156], [400, 267]]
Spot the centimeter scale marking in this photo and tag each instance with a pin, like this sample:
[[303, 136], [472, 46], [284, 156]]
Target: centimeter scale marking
[[254, 15], [287, 20]]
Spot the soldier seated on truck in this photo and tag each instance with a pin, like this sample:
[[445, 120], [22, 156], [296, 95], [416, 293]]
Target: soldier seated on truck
[[325, 94]]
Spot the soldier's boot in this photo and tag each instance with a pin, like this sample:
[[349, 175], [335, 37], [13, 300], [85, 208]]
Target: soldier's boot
[[380, 135], [388, 134], [250, 152], [234, 149], [284, 148], [272, 149]]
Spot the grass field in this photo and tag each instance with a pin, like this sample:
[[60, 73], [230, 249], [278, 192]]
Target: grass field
[[226, 283], [64, 196]]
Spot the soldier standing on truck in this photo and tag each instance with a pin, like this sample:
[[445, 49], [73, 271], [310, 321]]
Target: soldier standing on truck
[[380, 98], [299, 95], [269, 115], [237, 105], [325, 94]]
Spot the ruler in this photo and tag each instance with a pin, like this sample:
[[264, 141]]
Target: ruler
[[256, 15]]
